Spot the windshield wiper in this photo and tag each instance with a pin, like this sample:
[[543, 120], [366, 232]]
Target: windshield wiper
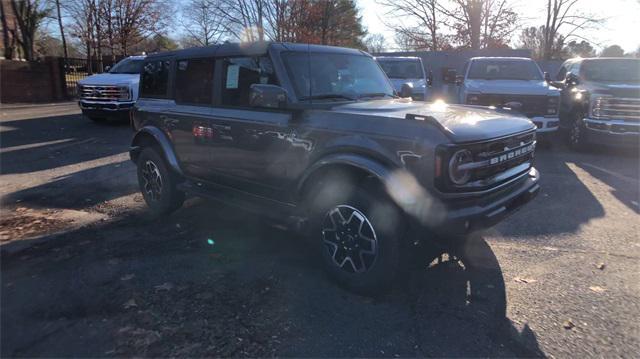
[[376, 94], [328, 96]]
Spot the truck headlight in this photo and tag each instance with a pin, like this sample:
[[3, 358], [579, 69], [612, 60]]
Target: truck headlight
[[459, 176], [473, 99], [124, 93]]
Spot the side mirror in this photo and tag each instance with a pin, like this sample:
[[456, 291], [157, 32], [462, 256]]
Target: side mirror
[[547, 77], [269, 96], [459, 80], [107, 68], [571, 79], [430, 78], [406, 90]]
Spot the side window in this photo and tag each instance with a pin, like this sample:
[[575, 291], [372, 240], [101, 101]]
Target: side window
[[155, 79], [575, 68], [239, 73], [194, 81]]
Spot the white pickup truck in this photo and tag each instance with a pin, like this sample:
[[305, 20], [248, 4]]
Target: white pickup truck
[[513, 82], [111, 95]]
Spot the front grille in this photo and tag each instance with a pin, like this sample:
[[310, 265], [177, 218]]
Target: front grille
[[607, 108], [100, 93], [496, 161], [532, 105]]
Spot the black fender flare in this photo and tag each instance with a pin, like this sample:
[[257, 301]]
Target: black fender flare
[[159, 138], [371, 166]]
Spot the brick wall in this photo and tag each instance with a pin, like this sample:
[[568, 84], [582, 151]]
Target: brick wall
[[31, 81]]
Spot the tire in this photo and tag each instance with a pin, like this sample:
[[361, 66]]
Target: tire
[[358, 234], [576, 133], [158, 184]]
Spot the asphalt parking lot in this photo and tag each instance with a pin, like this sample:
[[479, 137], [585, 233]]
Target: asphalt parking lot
[[86, 273]]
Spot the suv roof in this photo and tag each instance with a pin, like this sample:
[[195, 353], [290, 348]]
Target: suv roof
[[253, 48]]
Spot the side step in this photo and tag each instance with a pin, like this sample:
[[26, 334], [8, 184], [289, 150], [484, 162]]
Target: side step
[[279, 212]]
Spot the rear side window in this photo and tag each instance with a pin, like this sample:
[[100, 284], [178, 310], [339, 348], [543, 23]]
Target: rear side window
[[242, 72], [194, 81], [155, 79]]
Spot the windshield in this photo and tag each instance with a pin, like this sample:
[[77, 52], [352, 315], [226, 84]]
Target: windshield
[[403, 69], [611, 70], [127, 66], [504, 70], [332, 75]]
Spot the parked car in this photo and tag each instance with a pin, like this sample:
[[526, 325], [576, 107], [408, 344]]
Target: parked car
[[111, 95], [512, 82], [600, 101], [314, 137], [407, 72]]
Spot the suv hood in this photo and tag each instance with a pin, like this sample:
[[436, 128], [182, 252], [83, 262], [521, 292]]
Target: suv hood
[[461, 123], [510, 87], [111, 79]]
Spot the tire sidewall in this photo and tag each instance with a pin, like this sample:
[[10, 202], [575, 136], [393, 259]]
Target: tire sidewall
[[380, 211], [168, 194], [577, 129]]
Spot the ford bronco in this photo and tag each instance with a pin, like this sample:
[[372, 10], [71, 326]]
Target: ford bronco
[[315, 137]]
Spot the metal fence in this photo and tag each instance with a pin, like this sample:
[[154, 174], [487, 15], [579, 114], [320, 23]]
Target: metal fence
[[76, 69]]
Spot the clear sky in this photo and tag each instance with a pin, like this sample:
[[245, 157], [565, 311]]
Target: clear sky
[[622, 25]]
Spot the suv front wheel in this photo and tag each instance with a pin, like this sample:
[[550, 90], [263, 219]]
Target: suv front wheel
[[359, 239], [157, 183]]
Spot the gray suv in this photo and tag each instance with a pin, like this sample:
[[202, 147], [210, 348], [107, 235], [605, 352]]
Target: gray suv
[[314, 137]]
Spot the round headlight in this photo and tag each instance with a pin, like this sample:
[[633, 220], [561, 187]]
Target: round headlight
[[457, 175]]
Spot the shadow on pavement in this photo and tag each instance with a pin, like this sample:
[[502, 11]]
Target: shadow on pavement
[[563, 204], [80, 189], [44, 143], [210, 281]]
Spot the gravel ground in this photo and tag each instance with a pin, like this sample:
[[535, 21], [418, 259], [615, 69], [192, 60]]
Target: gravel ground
[[86, 273]]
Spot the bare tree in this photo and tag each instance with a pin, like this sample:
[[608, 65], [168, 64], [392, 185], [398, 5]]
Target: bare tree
[[244, 19], [289, 20], [61, 27], [135, 20], [418, 21], [564, 14], [375, 43], [30, 15], [481, 23], [203, 22]]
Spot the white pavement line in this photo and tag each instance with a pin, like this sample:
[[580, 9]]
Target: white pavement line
[[34, 145], [611, 173]]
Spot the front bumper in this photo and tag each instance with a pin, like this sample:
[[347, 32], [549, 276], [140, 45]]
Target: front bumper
[[546, 124], [105, 106], [471, 214], [619, 133]]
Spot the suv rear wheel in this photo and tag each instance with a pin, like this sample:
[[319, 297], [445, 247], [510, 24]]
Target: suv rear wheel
[[359, 239], [157, 183]]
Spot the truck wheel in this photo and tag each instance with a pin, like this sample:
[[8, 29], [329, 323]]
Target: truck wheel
[[577, 133], [359, 239], [157, 183]]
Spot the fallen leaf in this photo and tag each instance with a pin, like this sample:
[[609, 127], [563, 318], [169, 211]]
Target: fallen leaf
[[568, 324], [164, 286], [127, 277], [524, 280], [597, 289], [600, 266], [131, 303]]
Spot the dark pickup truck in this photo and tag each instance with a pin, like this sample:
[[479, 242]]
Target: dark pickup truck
[[315, 137], [600, 101]]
